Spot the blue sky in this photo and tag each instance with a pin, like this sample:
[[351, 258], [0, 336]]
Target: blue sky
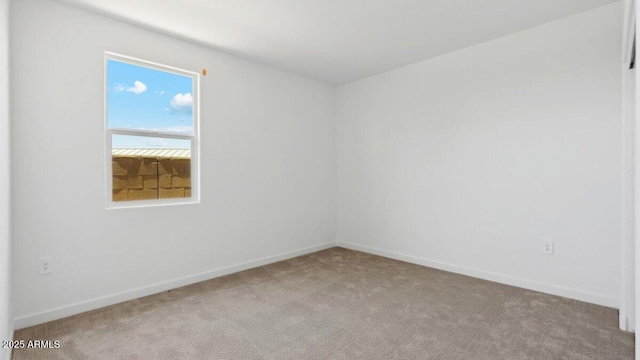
[[143, 98]]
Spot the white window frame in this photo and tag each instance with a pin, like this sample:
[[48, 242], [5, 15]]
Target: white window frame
[[195, 143]]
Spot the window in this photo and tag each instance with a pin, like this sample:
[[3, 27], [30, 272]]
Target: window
[[151, 124]]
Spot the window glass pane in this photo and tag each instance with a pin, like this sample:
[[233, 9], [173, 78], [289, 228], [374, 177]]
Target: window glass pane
[[148, 168], [147, 142], [146, 99]]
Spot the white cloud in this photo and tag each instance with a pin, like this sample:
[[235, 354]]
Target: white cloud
[[118, 87], [156, 143], [138, 88], [182, 102], [184, 130]]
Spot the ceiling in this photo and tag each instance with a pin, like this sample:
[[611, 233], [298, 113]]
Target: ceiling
[[338, 41]]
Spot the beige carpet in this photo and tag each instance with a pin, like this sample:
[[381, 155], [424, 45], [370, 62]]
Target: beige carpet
[[339, 304]]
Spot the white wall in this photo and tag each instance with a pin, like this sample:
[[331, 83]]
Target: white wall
[[268, 167], [627, 303], [468, 161], [6, 312]]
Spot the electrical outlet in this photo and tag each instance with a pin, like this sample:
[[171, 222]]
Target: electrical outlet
[[319, 222], [547, 247], [45, 265]]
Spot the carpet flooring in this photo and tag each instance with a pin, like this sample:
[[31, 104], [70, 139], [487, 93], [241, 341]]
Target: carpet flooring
[[339, 304]]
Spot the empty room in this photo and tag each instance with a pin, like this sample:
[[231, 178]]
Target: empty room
[[314, 179]]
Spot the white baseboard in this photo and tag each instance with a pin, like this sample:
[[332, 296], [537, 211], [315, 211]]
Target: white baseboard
[[626, 323], [623, 323], [485, 275], [96, 303]]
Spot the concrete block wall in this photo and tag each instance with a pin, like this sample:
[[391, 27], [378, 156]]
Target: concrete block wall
[[148, 177]]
